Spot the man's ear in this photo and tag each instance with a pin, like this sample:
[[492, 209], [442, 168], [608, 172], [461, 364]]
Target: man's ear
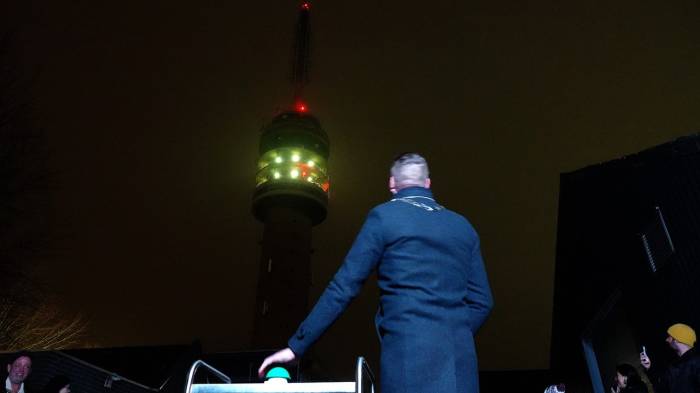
[[392, 184], [427, 183]]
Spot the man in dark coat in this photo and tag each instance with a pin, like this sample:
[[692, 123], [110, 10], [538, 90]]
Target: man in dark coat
[[683, 374], [434, 293]]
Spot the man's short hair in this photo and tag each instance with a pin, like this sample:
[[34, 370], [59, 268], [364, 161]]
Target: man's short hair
[[409, 170], [19, 354]]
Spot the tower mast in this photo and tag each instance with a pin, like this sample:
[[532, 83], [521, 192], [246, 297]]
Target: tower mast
[[302, 52]]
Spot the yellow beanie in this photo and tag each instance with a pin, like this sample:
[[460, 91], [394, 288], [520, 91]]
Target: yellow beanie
[[683, 334]]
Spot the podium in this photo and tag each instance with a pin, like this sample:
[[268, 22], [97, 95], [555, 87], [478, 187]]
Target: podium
[[363, 383]]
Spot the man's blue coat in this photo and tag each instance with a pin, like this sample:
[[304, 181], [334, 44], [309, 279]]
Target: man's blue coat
[[434, 294]]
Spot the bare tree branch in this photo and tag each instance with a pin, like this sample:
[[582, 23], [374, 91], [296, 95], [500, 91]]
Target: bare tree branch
[[42, 328]]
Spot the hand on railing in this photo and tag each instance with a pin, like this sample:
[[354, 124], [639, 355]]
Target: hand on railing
[[284, 356]]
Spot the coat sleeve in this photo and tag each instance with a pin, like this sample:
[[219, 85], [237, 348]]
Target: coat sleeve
[[359, 263], [479, 297]]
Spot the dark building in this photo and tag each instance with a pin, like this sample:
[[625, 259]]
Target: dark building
[[628, 247]]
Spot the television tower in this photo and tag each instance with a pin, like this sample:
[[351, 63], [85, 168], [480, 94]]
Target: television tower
[[291, 196]]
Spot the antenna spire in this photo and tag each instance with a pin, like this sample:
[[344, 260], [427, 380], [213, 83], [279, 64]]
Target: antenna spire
[[302, 53]]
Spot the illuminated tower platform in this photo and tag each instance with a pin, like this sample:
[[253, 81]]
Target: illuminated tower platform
[[292, 168]]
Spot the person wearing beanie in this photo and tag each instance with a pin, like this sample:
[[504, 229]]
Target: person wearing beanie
[[681, 334], [683, 374]]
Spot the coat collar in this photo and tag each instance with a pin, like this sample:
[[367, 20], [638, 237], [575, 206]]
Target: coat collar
[[414, 192], [8, 386]]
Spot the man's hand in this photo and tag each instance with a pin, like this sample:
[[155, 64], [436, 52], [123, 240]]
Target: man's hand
[[284, 356], [644, 360]]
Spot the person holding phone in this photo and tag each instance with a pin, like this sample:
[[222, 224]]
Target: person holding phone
[[683, 374]]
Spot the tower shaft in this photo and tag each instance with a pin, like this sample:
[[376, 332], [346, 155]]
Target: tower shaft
[[284, 276]]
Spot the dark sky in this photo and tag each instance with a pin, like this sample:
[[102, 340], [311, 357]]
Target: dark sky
[[153, 111]]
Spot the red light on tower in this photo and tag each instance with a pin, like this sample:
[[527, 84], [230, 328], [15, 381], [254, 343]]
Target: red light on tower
[[301, 107], [305, 5]]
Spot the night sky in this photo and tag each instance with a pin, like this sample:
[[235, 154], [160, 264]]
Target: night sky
[[152, 112]]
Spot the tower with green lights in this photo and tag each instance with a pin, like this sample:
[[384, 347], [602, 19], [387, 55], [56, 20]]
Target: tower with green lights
[[291, 196]]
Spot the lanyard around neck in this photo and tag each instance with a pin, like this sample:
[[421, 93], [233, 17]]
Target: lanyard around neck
[[423, 206]]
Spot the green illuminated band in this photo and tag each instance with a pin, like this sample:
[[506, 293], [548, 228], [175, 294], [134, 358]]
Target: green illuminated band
[[293, 164]]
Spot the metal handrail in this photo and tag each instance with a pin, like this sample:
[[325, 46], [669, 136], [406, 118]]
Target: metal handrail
[[362, 366], [110, 374], [361, 370], [193, 370]]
